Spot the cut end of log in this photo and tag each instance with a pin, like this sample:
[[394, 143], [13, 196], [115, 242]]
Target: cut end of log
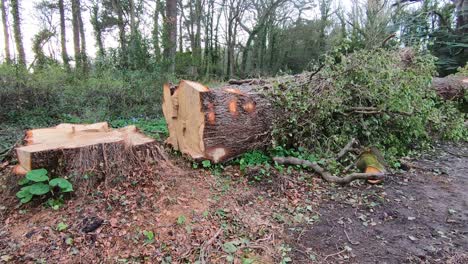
[[218, 124], [45, 146]]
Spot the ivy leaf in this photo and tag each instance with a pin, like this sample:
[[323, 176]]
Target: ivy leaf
[[39, 175], [39, 188], [64, 184], [229, 247]]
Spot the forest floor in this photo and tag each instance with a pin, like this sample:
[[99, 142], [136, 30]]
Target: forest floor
[[225, 216]]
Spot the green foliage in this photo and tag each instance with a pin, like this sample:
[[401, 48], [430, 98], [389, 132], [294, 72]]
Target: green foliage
[[253, 158], [181, 220], [61, 227], [374, 96], [37, 183], [53, 95], [149, 236], [156, 128], [206, 164], [39, 175]]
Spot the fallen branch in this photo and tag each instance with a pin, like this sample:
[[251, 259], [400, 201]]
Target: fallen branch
[[325, 174], [346, 148]]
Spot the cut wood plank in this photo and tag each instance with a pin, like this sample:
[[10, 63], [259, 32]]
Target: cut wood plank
[[218, 124]]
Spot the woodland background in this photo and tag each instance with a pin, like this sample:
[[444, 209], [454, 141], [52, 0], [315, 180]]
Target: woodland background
[[140, 44]]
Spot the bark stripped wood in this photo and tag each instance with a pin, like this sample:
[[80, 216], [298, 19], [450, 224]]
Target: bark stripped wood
[[80, 146], [218, 124], [325, 174]]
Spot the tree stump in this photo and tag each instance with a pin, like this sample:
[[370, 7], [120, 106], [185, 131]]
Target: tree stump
[[216, 124]]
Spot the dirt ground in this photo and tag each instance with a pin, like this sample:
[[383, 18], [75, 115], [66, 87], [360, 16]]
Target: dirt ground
[[223, 216]]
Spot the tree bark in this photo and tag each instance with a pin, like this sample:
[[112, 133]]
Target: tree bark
[[170, 38], [121, 25], [219, 124], [6, 34], [17, 32], [155, 33], [84, 56], [63, 38], [76, 34]]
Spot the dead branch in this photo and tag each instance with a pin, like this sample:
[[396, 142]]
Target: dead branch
[[346, 149], [325, 174], [388, 38]]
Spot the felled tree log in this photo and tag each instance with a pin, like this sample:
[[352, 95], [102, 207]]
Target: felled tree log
[[216, 124], [79, 147], [452, 87]]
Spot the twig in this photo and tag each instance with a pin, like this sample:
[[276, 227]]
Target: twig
[[325, 174], [349, 240], [207, 244], [315, 72], [334, 254], [388, 38]]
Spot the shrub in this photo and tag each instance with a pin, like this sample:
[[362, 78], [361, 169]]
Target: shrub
[[377, 96], [53, 95]]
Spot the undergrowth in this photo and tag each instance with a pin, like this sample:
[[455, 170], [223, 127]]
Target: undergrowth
[[379, 97]]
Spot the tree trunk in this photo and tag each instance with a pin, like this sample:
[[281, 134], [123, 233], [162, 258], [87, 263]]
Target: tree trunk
[[157, 49], [17, 31], [6, 34], [76, 34], [121, 25], [63, 38], [219, 124], [462, 16], [170, 29], [84, 56], [97, 26]]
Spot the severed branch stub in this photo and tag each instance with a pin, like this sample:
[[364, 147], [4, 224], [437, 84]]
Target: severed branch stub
[[327, 175]]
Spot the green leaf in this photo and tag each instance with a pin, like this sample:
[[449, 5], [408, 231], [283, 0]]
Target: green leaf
[[64, 184], [181, 220], [39, 188], [149, 235], [24, 195], [23, 181], [206, 163], [61, 226], [39, 175], [229, 247]]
